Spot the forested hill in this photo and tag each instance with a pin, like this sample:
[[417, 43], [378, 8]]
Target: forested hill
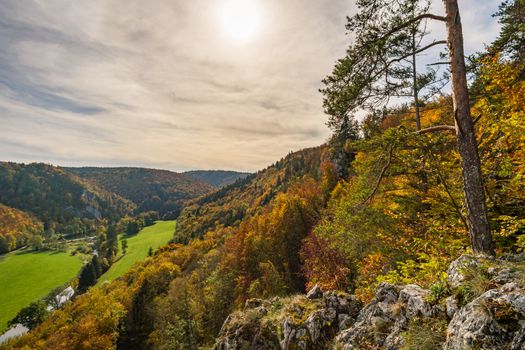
[[17, 227], [217, 178], [57, 197], [162, 191], [248, 195]]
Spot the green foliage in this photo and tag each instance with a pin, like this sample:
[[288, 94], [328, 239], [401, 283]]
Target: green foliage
[[427, 271], [124, 245], [380, 63], [161, 191], [32, 315], [89, 274], [64, 202], [36, 242], [511, 40], [217, 178]]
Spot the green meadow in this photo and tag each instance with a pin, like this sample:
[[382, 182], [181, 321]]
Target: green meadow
[[27, 276], [138, 246]]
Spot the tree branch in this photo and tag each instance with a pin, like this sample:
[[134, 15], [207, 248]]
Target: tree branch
[[437, 63], [437, 128], [408, 23], [439, 42], [383, 171], [447, 190]]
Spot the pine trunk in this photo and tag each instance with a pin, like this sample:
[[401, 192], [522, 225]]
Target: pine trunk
[[479, 229]]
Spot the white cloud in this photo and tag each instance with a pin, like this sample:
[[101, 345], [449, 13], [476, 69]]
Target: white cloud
[[159, 84]]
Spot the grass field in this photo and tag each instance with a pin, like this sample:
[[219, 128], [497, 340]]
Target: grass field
[[138, 245], [29, 276]]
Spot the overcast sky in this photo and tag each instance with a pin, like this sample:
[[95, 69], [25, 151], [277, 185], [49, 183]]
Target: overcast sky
[[164, 84]]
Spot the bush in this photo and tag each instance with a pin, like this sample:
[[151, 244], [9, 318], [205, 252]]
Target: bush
[[32, 315]]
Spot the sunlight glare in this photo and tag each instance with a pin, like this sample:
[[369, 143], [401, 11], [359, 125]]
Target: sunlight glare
[[241, 19]]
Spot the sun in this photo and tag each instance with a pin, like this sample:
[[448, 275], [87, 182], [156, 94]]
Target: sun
[[241, 19]]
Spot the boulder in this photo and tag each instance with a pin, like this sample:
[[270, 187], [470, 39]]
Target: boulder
[[301, 324], [494, 320], [315, 293], [451, 305], [456, 270], [381, 323]]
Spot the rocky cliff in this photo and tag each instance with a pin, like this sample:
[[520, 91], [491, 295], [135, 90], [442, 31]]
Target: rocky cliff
[[481, 307]]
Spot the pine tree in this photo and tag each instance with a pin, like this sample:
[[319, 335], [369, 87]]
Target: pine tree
[[87, 278], [362, 80]]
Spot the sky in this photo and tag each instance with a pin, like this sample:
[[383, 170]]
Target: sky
[[175, 84]]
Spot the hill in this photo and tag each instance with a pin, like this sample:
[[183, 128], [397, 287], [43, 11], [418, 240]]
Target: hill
[[57, 197], [246, 196], [162, 191], [16, 228], [217, 178]]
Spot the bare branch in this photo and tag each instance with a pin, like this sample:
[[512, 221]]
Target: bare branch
[[437, 63], [437, 128], [439, 42], [447, 190], [381, 175]]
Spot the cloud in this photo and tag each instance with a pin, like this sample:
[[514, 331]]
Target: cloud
[[109, 82]]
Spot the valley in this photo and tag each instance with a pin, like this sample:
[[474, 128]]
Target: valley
[[139, 245], [53, 220], [26, 276]]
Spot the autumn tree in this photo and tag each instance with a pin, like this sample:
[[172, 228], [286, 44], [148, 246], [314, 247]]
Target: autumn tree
[[361, 80]]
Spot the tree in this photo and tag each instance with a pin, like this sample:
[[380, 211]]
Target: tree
[[511, 40], [362, 80], [111, 246], [32, 315], [478, 224], [124, 244], [36, 242], [382, 63], [87, 278]]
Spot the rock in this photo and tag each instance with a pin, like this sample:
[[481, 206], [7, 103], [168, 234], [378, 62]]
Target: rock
[[344, 321], [315, 323], [315, 293], [414, 298], [494, 320], [509, 257], [518, 342], [323, 320], [452, 306], [383, 321], [456, 270], [342, 303], [505, 276], [302, 324]]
